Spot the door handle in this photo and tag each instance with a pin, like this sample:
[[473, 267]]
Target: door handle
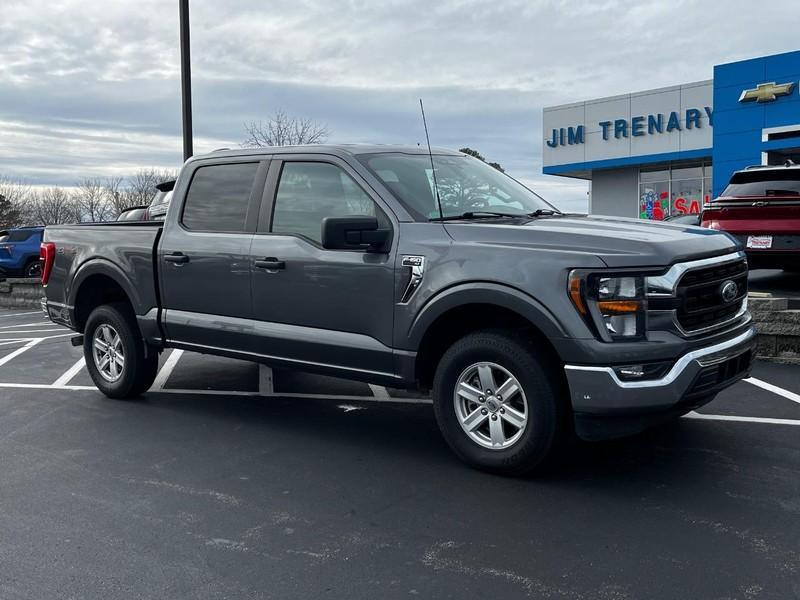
[[177, 257], [270, 264]]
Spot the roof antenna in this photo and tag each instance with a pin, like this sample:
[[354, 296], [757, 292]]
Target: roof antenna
[[430, 154]]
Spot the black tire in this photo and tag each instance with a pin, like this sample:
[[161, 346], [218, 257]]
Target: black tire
[[546, 408], [32, 269], [140, 367]]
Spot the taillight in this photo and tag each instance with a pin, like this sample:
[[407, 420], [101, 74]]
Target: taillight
[[47, 254]]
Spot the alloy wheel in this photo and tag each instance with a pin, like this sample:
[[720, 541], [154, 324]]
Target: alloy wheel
[[490, 405], [107, 351]]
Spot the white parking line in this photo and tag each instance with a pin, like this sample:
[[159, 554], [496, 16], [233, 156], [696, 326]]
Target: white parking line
[[37, 324], [50, 337], [33, 312], [46, 386], [16, 341], [166, 370], [738, 419], [18, 351], [774, 389], [390, 400], [27, 331], [70, 373]]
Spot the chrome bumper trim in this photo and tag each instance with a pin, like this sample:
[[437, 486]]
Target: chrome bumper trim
[[598, 388], [676, 369]]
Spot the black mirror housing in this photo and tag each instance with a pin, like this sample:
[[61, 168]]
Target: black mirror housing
[[353, 233]]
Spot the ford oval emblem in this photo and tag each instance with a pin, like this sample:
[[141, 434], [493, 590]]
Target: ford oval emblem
[[729, 290]]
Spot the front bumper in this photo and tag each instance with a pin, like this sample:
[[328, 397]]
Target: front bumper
[[606, 406]]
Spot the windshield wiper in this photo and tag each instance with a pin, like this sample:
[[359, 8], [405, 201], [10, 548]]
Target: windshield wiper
[[543, 212], [488, 214], [478, 214]]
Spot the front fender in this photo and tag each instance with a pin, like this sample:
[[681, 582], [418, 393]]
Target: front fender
[[481, 292]]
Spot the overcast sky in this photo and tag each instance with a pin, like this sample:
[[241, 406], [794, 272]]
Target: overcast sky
[[91, 87]]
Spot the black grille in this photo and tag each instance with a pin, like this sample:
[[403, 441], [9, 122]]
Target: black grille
[[719, 375], [699, 293]]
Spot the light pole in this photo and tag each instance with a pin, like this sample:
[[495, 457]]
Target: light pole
[[186, 80]]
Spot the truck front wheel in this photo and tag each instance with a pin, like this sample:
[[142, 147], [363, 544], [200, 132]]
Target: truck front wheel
[[496, 404], [115, 352]]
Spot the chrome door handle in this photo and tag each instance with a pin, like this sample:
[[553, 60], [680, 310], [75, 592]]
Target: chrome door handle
[[176, 257], [270, 264]]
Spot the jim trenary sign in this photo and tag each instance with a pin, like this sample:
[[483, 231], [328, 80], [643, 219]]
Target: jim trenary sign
[[637, 126]]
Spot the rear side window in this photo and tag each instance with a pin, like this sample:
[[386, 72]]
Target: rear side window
[[218, 197], [19, 236], [764, 183]]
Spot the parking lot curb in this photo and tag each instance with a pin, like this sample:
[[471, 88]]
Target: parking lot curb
[[777, 321], [20, 293]]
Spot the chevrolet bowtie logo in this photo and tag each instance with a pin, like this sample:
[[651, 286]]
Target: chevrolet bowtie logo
[[766, 92]]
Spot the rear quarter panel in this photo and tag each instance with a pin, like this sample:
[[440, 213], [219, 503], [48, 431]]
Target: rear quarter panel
[[122, 251]]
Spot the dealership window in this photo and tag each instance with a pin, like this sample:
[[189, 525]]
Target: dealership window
[[673, 190]]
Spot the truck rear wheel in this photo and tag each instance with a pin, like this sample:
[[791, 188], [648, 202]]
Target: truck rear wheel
[[115, 352], [496, 404]]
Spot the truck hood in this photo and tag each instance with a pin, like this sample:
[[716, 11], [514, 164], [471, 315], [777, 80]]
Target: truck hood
[[617, 241]]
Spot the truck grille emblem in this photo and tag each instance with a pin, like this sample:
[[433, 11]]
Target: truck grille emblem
[[729, 290]]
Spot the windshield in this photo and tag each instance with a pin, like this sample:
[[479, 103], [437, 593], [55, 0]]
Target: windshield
[[764, 183], [465, 185]]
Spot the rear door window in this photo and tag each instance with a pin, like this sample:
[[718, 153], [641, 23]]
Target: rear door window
[[218, 197]]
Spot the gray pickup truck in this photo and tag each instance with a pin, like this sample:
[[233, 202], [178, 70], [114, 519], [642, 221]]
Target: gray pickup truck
[[525, 324]]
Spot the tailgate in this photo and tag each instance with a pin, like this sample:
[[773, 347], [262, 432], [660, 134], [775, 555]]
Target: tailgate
[[756, 216], [763, 224]]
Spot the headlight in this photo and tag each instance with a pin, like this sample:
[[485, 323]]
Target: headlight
[[614, 304]]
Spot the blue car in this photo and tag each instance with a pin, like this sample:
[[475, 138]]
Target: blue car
[[19, 252]]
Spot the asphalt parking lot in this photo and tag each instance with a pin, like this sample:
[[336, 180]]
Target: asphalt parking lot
[[224, 482]]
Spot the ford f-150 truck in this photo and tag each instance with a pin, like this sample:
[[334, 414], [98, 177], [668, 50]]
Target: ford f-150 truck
[[407, 269], [761, 208]]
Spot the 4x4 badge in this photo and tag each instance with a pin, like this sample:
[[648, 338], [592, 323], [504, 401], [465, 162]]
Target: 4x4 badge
[[416, 265]]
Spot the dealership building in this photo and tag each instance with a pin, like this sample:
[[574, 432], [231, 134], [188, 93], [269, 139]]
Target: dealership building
[[666, 151]]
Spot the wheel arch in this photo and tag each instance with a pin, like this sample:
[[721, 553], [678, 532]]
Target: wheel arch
[[99, 282], [472, 307]]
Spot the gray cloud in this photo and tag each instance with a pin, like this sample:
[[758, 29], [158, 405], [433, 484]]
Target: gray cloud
[[91, 87]]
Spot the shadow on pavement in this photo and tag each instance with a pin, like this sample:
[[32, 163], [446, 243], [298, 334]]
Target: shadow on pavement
[[778, 283]]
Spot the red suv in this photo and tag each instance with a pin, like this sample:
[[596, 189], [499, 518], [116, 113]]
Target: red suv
[[761, 208]]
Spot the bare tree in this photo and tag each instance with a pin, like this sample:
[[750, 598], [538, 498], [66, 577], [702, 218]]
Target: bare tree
[[92, 200], [114, 193], [52, 206], [139, 189], [282, 130], [14, 197]]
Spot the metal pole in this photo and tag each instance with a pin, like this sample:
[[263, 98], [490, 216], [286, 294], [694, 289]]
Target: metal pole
[[186, 80]]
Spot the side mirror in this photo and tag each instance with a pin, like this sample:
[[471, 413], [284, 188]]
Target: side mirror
[[353, 233]]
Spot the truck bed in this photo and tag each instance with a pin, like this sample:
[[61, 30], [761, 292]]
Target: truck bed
[[123, 251]]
